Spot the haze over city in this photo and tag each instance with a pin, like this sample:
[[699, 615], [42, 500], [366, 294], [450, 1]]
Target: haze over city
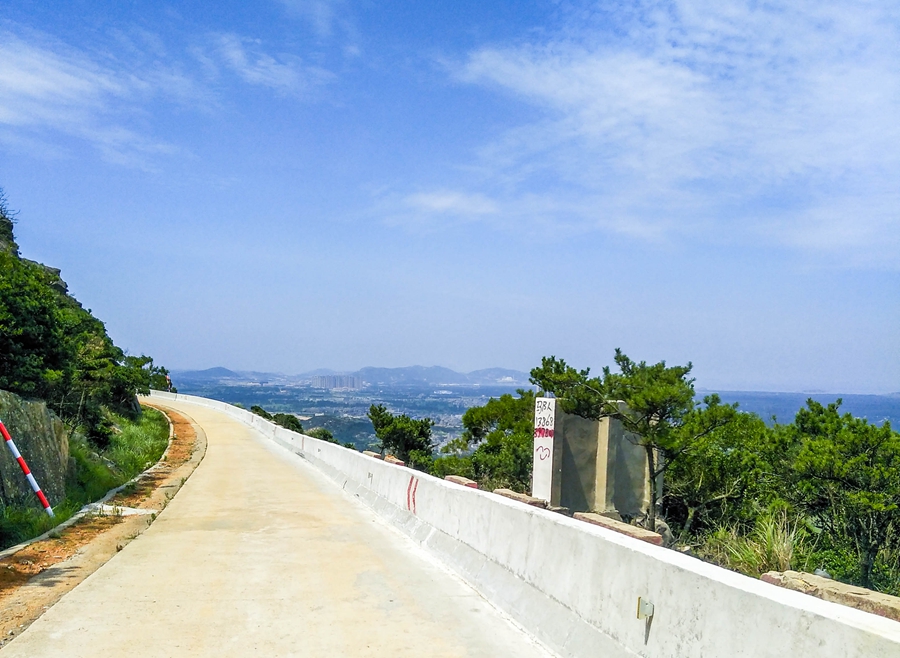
[[303, 184]]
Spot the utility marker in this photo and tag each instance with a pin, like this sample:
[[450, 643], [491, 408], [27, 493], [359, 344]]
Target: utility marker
[[28, 476]]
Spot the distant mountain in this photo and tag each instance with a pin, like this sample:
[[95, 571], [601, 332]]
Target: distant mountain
[[409, 376], [206, 375], [499, 376], [432, 376], [438, 376]]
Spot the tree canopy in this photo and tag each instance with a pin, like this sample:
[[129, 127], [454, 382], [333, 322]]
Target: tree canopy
[[847, 477], [404, 437], [53, 349]]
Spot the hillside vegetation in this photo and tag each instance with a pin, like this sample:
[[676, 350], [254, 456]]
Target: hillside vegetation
[[54, 350]]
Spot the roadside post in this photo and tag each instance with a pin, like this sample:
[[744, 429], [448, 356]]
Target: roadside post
[[547, 465], [28, 476]]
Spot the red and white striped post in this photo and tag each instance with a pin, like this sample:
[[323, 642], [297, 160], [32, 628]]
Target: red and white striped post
[[18, 457]]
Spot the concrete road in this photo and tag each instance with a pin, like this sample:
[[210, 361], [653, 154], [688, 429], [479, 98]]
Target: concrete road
[[260, 555]]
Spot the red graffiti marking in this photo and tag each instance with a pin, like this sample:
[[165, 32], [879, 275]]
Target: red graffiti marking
[[411, 494], [543, 432], [542, 452]]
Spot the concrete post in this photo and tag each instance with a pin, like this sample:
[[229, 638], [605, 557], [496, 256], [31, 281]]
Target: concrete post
[[548, 452], [596, 466]]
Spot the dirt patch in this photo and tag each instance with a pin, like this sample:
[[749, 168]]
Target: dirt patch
[[37, 576], [180, 451], [35, 558]]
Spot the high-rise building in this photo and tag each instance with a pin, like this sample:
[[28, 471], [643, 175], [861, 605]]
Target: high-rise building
[[336, 381]]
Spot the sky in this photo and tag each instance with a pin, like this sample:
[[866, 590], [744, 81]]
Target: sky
[[287, 185]]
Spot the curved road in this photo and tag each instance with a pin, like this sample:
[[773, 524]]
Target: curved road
[[259, 554]]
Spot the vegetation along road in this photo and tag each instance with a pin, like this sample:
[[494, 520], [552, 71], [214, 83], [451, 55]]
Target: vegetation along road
[[259, 554]]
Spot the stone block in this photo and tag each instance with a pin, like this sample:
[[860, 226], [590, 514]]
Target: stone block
[[522, 498], [860, 598], [390, 459], [620, 527], [459, 479], [372, 454]]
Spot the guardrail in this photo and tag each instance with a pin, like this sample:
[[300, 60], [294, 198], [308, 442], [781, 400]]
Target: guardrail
[[584, 590]]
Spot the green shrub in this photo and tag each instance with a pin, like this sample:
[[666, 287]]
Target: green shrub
[[776, 543], [453, 465], [288, 421], [322, 433], [259, 411], [138, 445]]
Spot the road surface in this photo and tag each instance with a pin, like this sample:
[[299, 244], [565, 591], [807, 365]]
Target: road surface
[[261, 555]]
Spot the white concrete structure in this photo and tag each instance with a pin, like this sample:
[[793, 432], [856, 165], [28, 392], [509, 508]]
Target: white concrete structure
[[547, 457], [576, 586]]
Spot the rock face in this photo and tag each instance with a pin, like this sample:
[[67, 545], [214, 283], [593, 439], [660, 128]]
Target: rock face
[[42, 439], [7, 240]]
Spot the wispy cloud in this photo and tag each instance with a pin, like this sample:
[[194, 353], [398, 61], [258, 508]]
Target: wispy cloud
[[45, 86], [286, 74], [770, 122], [49, 89], [322, 15], [453, 203]]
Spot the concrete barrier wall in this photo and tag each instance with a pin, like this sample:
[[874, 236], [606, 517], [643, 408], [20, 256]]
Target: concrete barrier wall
[[575, 586]]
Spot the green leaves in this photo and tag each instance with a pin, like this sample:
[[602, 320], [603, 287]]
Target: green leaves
[[847, 476], [496, 447], [35, 356], [401, 434], [650, 400], [578, 393]]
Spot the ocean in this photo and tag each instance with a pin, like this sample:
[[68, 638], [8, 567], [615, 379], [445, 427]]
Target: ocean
[[877, 409]]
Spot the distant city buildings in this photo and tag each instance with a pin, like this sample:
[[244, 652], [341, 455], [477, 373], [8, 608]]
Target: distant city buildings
[[336, 381]]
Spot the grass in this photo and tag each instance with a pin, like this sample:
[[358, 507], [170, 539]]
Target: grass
[[139, 445], [135, 446], [776, 543]]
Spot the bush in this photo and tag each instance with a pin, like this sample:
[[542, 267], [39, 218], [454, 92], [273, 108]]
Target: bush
[[138, 445], [401, 435], [776, 543], [259, 411], [288, 421], [53, 349], [323, 434]]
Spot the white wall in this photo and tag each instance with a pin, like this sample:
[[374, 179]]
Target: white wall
[[575, 586]]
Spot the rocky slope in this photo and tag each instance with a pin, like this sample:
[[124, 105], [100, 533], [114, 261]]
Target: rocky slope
[[42, 439]]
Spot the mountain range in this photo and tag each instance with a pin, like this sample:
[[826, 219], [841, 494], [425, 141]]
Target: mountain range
[[408, 376]]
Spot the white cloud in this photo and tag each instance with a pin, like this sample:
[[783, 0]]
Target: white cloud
[[450, 202], [321, 14], [48, 89], [289, 74], [771, 122], [45, 86]]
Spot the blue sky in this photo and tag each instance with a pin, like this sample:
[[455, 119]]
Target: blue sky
[[295, 184]]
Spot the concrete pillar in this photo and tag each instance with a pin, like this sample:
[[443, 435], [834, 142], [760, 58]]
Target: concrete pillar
[[588, 465], [547, 456]]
